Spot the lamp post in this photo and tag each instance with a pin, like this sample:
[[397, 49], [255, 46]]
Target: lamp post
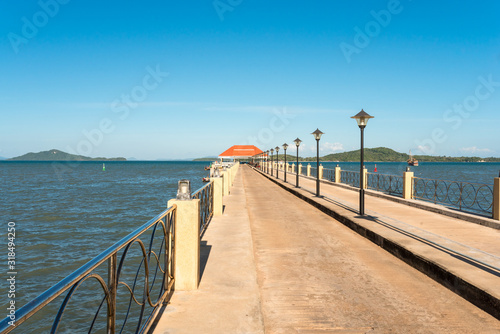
[[272, 150], [277, 148], [317, 135], [297, 143], [285, 146], [267, 163], [362, 118]]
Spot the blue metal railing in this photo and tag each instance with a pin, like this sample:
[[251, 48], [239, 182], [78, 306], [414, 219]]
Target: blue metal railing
[[329, 174], [118, 287], [466, 196], [349, 177], [390, 184]]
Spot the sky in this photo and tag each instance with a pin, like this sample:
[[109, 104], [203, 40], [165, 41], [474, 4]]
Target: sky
[[186, 79]]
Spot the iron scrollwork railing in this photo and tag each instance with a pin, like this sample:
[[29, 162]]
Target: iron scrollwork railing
[[466, 196], [349, 177], [206, 196], [329, 174], [124, 290], [314, 172], [390, 184]]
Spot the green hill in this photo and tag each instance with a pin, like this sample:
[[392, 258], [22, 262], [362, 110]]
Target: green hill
[[384, 154], [371, 154], [56, 155]]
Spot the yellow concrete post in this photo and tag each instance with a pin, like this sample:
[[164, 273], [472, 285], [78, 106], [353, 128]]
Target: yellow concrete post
[[293, 168], [365, 178], [187, 244], [235, 170], [337, 174], [218, 193], [308, 170], [225, 183], [320, 172], [407, 188], [496, 198], [229, 177], [300, 169]]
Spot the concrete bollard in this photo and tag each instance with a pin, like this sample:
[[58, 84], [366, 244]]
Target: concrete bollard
[[365, 178], [407, 188], [293, 168], [496, 198], [300, 169], [320, 172], [229, 177], [218, 193], [234, 171], [187, 244], [225, 183], [337, 174], [308, 170]]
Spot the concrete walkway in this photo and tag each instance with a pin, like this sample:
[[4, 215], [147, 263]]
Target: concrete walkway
[[276, 264]]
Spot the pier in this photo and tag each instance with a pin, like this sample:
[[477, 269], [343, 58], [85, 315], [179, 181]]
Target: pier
[[281, 260]]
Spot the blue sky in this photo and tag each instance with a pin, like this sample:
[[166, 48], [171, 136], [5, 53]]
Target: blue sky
[[185, 79]]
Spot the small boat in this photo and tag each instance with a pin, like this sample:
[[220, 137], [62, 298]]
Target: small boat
[[207, 167], [206, 179], [412, 161]]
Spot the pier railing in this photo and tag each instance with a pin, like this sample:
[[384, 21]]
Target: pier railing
[[314, 172], [478, 198], [127, 284], [390, 184], [206, 196], [465, 196], [349, 177], [329, 174]]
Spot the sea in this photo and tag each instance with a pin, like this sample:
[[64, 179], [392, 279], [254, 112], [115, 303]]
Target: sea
[[65, 214]]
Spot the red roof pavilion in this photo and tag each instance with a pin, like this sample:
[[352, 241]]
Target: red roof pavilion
[[240, 151]]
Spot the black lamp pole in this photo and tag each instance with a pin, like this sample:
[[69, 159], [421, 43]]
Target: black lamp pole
[[277, 157], [285, 146], [317, 135], [297, 143], [272, 167], [267, 162], [362, 118]]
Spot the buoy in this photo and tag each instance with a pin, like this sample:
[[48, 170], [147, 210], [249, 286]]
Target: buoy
[[103, 167], [375, 168]]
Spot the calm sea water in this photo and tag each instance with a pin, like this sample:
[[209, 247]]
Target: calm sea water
[[67, 213]]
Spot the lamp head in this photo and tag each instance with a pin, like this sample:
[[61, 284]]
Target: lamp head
[[317, 134], [184, 190], [285, 146], [277, 148], [362, 118], [297, 142]]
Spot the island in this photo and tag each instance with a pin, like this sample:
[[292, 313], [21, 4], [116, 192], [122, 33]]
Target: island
[[57, 155], [384, 154]]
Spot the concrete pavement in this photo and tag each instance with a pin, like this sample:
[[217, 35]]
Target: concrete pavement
[[275, 264]]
